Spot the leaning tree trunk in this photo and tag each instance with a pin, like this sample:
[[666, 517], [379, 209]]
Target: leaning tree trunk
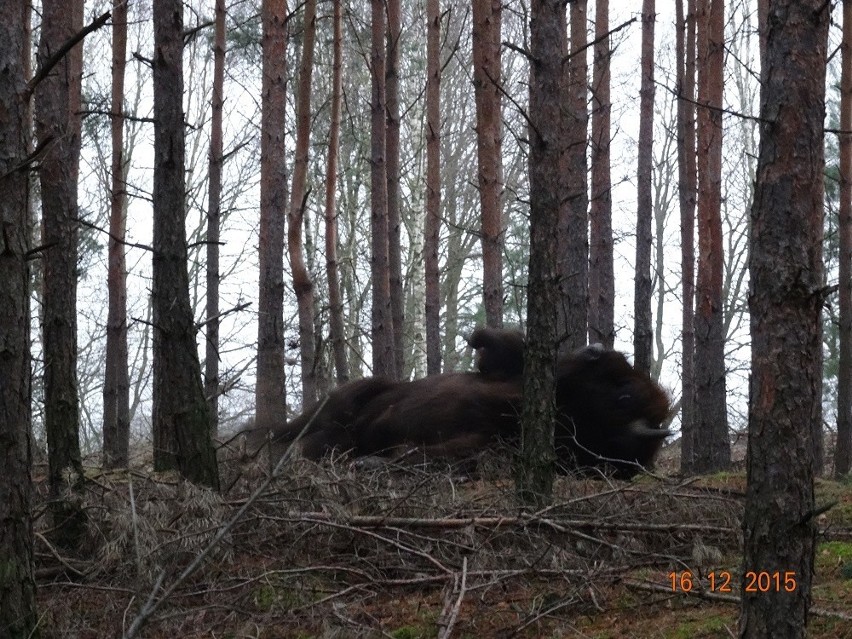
[[487, 16], [601, 273], [57, 110], [786, 270], [181, 420], [548, 186], [17, 582], [270, 400], [433, 187], [302, 284], [117, 376]]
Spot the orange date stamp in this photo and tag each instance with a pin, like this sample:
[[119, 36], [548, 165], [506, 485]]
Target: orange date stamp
[[720, 581]]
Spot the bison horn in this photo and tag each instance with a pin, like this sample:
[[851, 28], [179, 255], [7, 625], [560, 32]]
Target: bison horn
[[641, 428]]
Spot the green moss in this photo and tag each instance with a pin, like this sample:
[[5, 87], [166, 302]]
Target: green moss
[[708, 627]]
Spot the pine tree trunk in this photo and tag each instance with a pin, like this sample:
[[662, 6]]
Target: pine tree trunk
[[302, 284], [687, 191], [382, 318], [487, 16], [433, 186], [17, 583], [843, 450], [712, 448], [338, 337], [181, 421], [642, 332], [270, 399], [57, 108], [548, 186], [116, 425], [601, 273], [397, 299], [211, 360], [786, 270]]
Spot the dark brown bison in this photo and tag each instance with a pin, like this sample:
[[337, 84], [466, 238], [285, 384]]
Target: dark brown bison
[[609, 414]]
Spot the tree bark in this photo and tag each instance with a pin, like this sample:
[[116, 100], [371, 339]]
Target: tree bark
[[211, 360], [270, 399], [397, 299], [17, 583], [687, 191], [57, 111], [843, 451], [332, 265], [487, 16], [116, 428], [786, 297], [302, 284], [574, 217], [433, 186], [180, 412], [712, 450], [601, 273], [382, 318], [642, 331], [548, 186]]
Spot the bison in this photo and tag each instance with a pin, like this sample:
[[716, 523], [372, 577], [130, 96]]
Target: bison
[[609, 414]]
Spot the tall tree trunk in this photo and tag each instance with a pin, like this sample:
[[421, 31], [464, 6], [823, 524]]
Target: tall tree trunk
[[397, 299], [17, 583], [785, 266], [57, 109], [211, 360], [270, 396], [601, 274], [642, 332], [844, 375], [548, 186], [712, 449], [382, 318], [302, 284], [180, 412], [487, 16], [687, 191], [117, 377], [332, 265], [433, 186]]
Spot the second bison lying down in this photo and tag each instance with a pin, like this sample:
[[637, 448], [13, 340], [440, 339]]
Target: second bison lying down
[[609, 414]]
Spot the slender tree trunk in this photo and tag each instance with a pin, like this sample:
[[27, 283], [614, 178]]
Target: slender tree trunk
[[601, 274], [270, 396], [211, 360], [487, 16], [397, 299], [687, 191], [180, 412], [786, 270], [17, 583], [574, 217], [302, 283], [548, 186], [642, 332], [712, 450], [57, 108], [382, 318], [433, 186], [116, 425], [844, 375], [338, 337]]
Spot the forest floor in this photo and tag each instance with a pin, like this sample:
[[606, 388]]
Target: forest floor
[[331, 550]]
